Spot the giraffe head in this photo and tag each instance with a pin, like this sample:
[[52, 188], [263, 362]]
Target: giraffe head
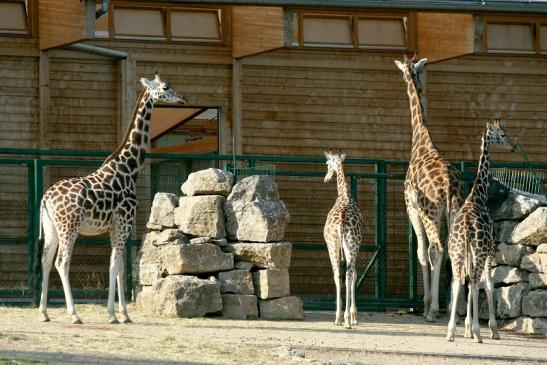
[[162, 91], [413, 67], [496, 134], [334, 163]]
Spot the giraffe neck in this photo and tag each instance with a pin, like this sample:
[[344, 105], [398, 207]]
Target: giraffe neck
[[341, 184], [421, 141], [480, 186], [130, 153]]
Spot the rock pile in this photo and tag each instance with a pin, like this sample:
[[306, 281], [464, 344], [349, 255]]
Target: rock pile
[[217, 250], [520, 275]]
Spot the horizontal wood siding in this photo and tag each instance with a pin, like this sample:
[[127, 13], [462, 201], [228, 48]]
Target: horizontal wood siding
[[83, 105]]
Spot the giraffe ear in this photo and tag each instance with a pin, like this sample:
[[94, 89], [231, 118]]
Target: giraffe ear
[[157, 76], [144, 82], [342, 157], [327, 154], [399, 65], [497, 123], [420, 64]]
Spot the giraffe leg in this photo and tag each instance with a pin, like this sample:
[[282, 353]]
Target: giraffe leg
[[475, 328], [492, 323], [347, 321], [423, 259], [51, 242], [118, 236], [437, 256], [353, 310], [121, 292], [468, 314], [453, 309], [62, 263]]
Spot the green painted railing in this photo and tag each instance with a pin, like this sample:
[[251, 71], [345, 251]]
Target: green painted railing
[[36, 160]]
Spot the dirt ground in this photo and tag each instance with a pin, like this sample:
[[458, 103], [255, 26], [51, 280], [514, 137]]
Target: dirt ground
[[380, 338]]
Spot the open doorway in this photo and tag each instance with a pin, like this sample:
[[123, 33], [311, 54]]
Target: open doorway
[[188, 130]]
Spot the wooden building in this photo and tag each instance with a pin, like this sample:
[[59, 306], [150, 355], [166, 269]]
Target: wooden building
[[287, 78]]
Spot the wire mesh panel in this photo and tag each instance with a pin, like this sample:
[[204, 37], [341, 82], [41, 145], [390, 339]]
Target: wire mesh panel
[[530, 181]]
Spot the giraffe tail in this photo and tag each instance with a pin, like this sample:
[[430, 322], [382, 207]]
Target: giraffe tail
[[39, 249]]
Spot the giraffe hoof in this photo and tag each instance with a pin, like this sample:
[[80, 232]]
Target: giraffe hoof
[[431, 319], [77, 321], [495, 336], [450, 338], [127, 320], [44, 318], [337, 323], [113, 321], [478, 340]]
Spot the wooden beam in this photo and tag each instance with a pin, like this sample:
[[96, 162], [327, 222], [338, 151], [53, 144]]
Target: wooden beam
[[62, 23], [256, 29], [443, 35], [126, 95], [165, 119], [44, 99], [236, 108]]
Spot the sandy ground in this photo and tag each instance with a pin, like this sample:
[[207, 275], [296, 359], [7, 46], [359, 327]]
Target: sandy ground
[[380, 338]]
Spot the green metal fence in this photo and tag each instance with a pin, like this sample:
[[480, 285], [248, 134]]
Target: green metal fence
[[387, 264]]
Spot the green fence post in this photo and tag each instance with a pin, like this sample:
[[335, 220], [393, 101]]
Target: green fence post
[[31, 229], [128, 270], [381, 229], [412, 258], [353, 186], [38, 188]]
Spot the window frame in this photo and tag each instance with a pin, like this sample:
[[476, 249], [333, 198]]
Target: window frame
[[535, 21], [353, 21], [28, 6], [166, 13]]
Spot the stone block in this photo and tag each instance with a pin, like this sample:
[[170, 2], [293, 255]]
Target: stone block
[[147, 268], [527, 326], [538, 281], [170, 236], [181, 296], [506, 275], [254, 211], [509, 300], [161, 213], [236, 282], [262, 255], [281, 308], [208, 182], [271, 283], [507, 254], [532, 231], [503, 230], [531, 263], [195, 259], [543, 261], [542, 248], [238, 306], [535, 303], [201, 216], [517, 206], [243, 265]]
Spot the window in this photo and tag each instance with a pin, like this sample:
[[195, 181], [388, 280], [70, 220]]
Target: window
[[172, 23], [327, 31], [138, 23], [366, 31], [517, 35], [511, 37], [382, 33], [195, 25], [13, 17]]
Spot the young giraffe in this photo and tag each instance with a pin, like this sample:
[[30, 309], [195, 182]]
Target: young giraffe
[[342, 233], [433, 190], [471, 245], [102, 201]]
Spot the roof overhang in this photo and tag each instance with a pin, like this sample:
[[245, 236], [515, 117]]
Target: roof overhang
[[520, 6]]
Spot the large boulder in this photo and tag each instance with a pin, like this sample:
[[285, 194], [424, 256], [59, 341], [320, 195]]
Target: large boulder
[[527, 326], [161, 213], [533, 230], [535, 303], [195, 259], [238, 306], [507, 275], [507, 254], [236, 282], [201, 215], [254, 211], [147, 268], [262, 255], [271, 283], [281, 308], [181, 296], [516, 206], [509, 300], [208, 182], [503, 230]]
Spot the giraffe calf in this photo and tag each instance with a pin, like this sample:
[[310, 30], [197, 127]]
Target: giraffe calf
[[471, 244]]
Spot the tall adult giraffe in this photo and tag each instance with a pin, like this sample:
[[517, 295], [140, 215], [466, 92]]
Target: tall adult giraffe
[[471, 243], [103, 201], [433, 190]]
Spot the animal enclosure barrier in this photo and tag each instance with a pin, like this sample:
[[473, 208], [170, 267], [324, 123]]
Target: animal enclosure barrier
[[387, 275]]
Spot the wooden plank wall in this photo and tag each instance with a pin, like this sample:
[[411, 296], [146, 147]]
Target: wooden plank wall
[[59, 25]]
